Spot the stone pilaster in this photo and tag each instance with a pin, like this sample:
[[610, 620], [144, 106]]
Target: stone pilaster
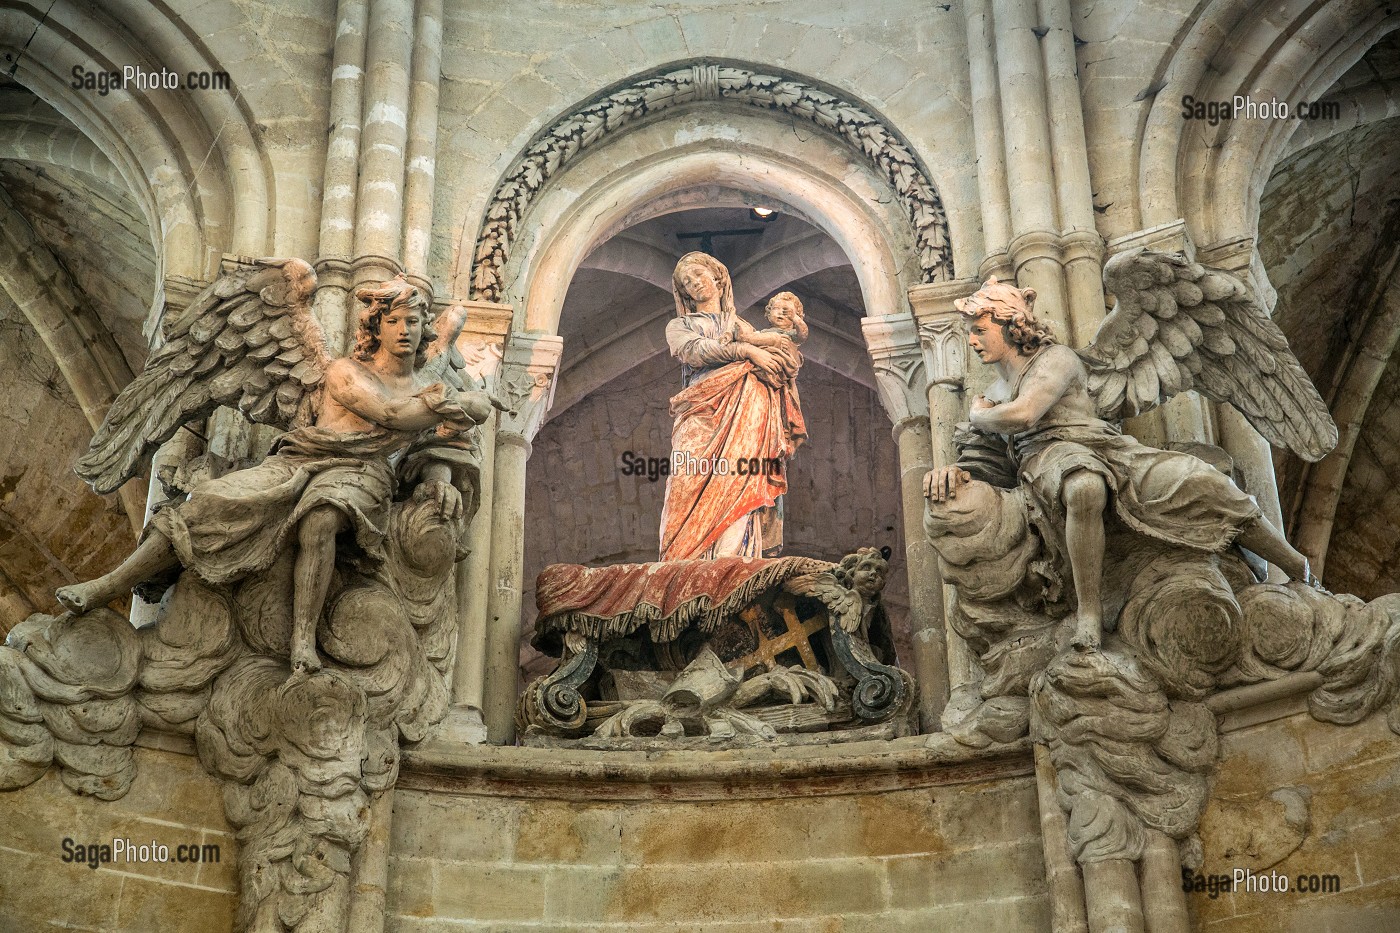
[[900, 378], [481, 344], [526, 383], [942, 344]]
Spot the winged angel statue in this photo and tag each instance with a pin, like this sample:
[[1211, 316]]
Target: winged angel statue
[[395, 411], [1049, 420]]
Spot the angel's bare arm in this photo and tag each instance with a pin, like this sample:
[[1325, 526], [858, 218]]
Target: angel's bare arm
[[355, 390], [1045, 385]]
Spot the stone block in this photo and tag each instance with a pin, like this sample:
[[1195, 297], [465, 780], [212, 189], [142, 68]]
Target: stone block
[[145, 906], [1328, 748], [580, 894], [410, 888], [471, 890], [660, 38], [729, 891], [998, 811], [706, 33], [1013, 915], [742, 831], [29, 893], [556, 832], [975, 876], [453, 828]]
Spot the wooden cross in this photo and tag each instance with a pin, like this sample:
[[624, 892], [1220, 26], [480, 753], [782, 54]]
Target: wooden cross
[[798, 634]]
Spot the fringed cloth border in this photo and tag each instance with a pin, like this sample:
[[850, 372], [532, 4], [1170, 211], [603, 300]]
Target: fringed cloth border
[[699, 611]]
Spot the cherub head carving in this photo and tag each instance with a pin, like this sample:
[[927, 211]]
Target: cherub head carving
[[1012, 308], [697, 278], [379, 299], [864, 571]]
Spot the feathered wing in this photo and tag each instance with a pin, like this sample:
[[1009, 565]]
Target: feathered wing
[[843, 605], [247, 341], [445, 362], [1178, 325]]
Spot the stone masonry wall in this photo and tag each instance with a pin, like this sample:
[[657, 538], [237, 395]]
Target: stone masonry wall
[[172, 802], [1349, 777], [912, 860]]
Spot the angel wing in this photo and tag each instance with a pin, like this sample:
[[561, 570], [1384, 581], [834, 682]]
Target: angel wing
[[445, 362], [843, 606], [248, 341], [1178, 325]]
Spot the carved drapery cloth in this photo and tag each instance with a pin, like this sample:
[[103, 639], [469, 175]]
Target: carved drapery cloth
[[666, 598], [729, 420], [590, 123]]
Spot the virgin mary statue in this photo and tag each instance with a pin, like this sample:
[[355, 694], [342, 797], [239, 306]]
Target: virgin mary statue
[[737, 423]]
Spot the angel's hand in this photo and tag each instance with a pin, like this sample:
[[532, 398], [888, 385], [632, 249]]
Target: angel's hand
[[478, 405], [447, 497], [982, 403], [942, 485]]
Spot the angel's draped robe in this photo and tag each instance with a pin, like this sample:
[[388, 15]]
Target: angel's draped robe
[[237, 524], [1164, 494], [724, 414]]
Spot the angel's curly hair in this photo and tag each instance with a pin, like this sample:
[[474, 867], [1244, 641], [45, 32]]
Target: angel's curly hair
[[845, 572], [378, 299], [1013, 309]]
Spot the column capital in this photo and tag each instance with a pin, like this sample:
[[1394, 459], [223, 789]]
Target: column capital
[[526, 381], [1171, 237], [941, 336], [893, 340], [483, 339]]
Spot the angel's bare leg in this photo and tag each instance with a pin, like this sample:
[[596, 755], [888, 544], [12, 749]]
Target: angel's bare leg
[[1265, 540], [1085, 497], [151, 558], [312, 578]]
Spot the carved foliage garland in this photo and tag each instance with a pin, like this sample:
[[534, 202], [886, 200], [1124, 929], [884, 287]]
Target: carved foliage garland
[[590, 123]]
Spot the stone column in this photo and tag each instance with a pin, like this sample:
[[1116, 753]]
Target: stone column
[[988, 138], [1253, 456], [332, 305], [942, 339], [899, 377], [1034, 250], [481, 343], [379, 203], [422, 139], [1080, 241], [526, 383]]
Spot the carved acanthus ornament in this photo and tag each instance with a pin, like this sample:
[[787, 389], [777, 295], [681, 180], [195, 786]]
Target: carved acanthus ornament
[[526, 381], [900, 374], [481, 345], [941, 338], [590, 124]]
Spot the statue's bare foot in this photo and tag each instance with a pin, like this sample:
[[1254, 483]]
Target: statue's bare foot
[[304, 660], [79, 598], [1086, 635]]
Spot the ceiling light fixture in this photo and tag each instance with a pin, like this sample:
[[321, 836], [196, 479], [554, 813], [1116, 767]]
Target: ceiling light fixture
[[763, 213]]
